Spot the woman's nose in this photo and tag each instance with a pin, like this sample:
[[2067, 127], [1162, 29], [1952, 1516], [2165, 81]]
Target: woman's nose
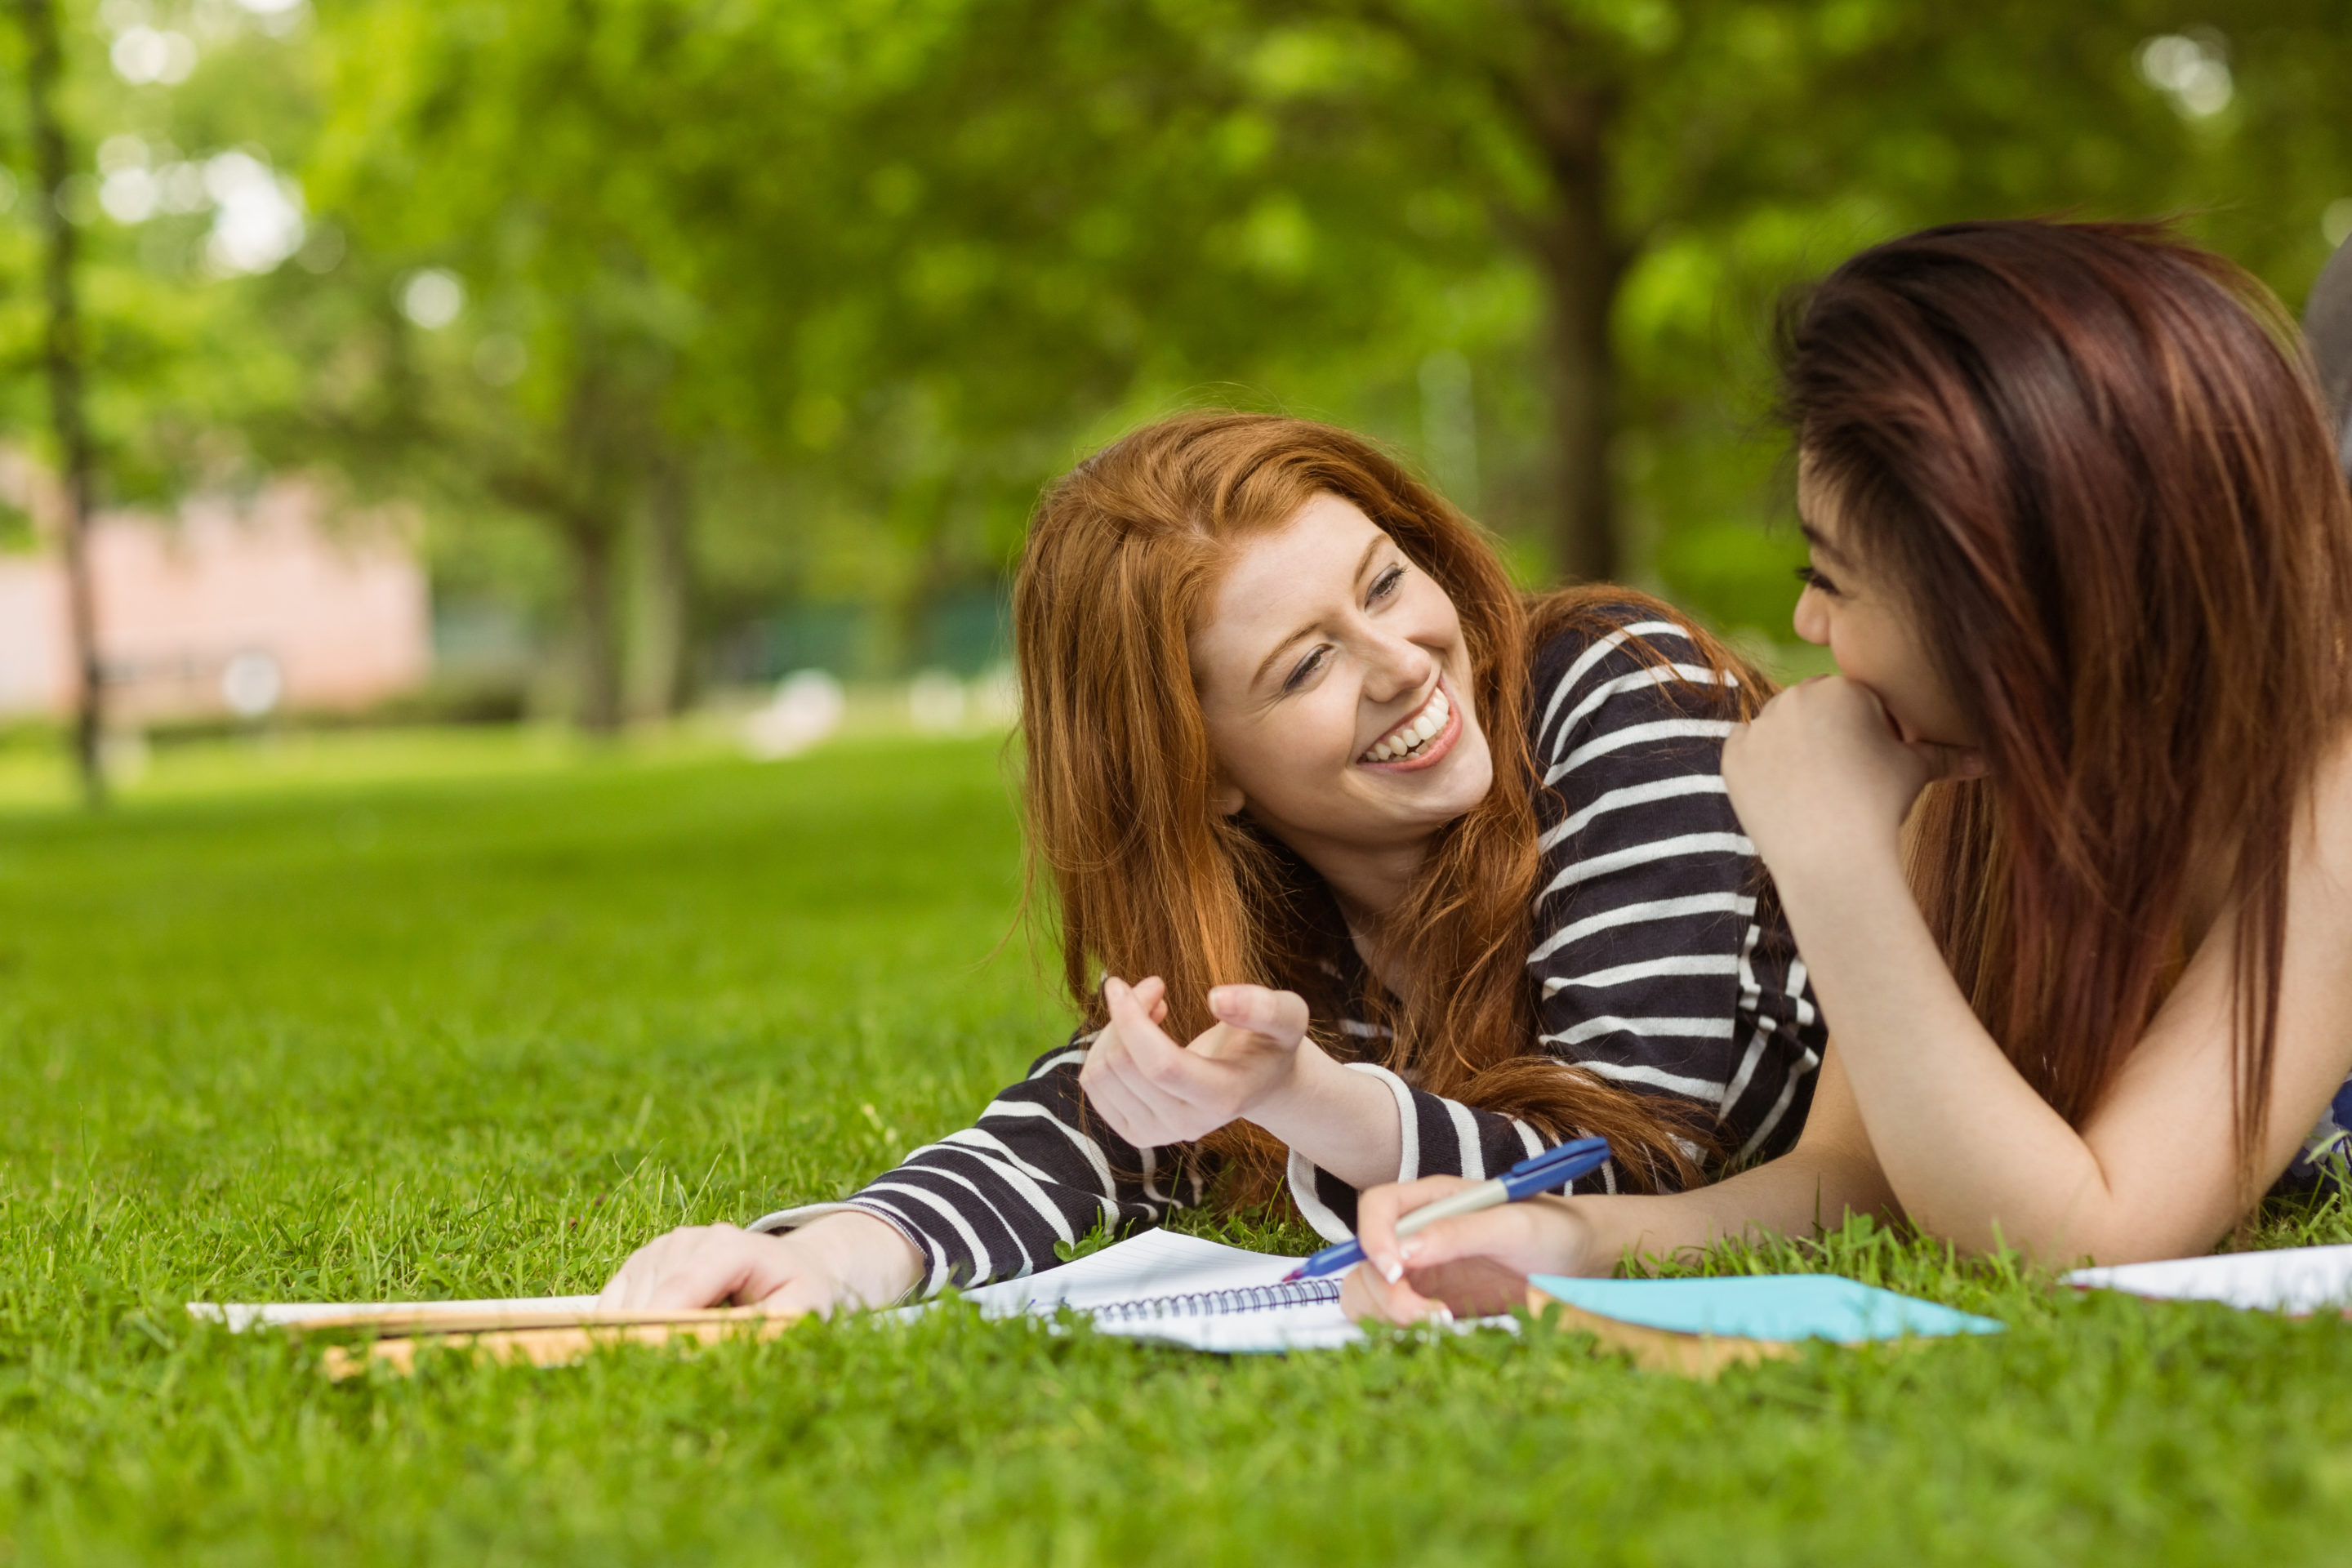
[[1811, 620], [1399, 668]]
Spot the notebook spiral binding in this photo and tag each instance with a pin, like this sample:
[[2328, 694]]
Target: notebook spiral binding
[[1218, 1303]]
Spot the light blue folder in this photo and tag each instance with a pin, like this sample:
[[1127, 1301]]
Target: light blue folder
[[1779, 1307]]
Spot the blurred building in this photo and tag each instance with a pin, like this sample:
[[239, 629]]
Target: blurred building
[[230, 608]]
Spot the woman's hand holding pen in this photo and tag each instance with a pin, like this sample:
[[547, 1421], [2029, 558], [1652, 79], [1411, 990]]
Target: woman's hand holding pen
[[1473, 1265], [1154, 1091]]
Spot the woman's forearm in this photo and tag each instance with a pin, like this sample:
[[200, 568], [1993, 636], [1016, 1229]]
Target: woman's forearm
[[1975, 1155], [1805, 1191], [1346, 1122]]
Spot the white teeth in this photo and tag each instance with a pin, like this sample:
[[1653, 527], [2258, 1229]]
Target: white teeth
[[1410, 737]]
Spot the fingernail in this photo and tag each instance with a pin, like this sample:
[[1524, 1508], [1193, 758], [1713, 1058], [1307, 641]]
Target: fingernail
[[1409, 1250], [1218, 994], [1391, 1271], [1444, 1315]]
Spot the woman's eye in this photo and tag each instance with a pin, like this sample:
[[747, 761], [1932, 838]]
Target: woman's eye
[[1810, 576], [1306, 667], [1385, 584]]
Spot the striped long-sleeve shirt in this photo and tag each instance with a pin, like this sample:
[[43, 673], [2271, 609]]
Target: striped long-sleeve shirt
[[1660, 963]]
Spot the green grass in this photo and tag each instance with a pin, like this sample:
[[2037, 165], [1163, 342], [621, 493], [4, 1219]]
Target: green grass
[[479, 1029]]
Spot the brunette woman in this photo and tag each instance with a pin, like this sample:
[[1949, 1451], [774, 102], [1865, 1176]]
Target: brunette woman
[[2081, 551], [1388, 874]]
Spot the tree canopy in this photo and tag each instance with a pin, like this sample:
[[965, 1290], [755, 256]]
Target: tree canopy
[[707, 306]]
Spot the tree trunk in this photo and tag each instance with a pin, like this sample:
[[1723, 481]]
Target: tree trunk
[[63, 353], [1582, 267], [669, 517], [592, 542]]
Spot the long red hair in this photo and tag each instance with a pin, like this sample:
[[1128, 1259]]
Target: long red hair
[[1149, 878], [2095, 455]]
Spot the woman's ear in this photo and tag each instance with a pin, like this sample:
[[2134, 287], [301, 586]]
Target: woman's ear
[[1225, 799]]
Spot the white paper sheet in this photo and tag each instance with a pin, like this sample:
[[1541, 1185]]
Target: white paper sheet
[[2291, 1279], [242, 1315]]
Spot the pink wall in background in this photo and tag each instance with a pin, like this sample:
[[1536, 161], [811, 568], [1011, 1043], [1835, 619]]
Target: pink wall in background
[[344, 614]]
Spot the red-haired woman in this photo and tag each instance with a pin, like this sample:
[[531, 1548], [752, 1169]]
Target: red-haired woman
[[2068, 843], [1391, 874]]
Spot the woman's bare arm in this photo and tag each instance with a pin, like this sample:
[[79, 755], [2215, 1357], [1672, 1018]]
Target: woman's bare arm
[[1972, 1151]]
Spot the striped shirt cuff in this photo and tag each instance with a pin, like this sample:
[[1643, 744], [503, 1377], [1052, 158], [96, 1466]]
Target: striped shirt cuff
[[1320, 1196], [934, 1264]]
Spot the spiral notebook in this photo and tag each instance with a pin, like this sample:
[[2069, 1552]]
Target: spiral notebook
[[1184, 1291]]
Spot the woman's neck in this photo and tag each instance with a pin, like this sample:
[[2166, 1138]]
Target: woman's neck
[[1369, 887]]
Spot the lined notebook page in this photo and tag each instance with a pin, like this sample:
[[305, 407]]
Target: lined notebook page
[[1182, 1290]]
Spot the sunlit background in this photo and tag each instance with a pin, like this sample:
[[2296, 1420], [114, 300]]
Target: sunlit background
[[682, 371]]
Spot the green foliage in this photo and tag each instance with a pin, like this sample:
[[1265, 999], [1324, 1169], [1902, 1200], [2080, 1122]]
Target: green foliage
[[842, 283], [480, 1035]]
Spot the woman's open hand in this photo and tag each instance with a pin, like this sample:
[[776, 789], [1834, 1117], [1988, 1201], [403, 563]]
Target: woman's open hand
[[846, 1259], [1154, 1091], [1473, 1264], [1821, 772]]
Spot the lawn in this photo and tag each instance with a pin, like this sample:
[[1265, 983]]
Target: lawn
[[478, 1028]]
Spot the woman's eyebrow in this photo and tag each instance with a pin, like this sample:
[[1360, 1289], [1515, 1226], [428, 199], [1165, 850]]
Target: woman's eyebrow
[[1820, 541]]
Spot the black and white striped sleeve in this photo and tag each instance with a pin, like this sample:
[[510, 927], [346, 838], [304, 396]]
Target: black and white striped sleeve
[[1661, 960], [990, 1202], [1438, 1137]]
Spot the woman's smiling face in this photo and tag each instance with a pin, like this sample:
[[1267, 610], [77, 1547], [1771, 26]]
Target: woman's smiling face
[[1336, 687]]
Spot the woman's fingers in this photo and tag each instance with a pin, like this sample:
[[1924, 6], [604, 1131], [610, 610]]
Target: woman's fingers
[[1110, 1079], [1379, 1209], [698, 1266], [1523, 1238], [1152, 995], [1363, 1294], [1106, 1079], [1279, 1015], [1154, 1091], [1474, 1287], [1164, 1068]]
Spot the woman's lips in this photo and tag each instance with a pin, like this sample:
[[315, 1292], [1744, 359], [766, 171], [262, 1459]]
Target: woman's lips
[[1437, 747]]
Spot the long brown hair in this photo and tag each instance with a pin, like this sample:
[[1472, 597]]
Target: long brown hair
[[2093, 456], [1149, 878]]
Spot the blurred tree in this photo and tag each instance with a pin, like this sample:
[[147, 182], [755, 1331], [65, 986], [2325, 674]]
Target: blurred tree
[[504, 173], [63, 360], [1644, 153], [166, 354]]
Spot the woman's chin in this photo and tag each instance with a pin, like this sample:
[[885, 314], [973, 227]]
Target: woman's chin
[[1437, 793]]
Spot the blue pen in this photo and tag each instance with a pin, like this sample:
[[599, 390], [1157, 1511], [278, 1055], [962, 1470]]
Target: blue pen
[[1551, 1169]]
